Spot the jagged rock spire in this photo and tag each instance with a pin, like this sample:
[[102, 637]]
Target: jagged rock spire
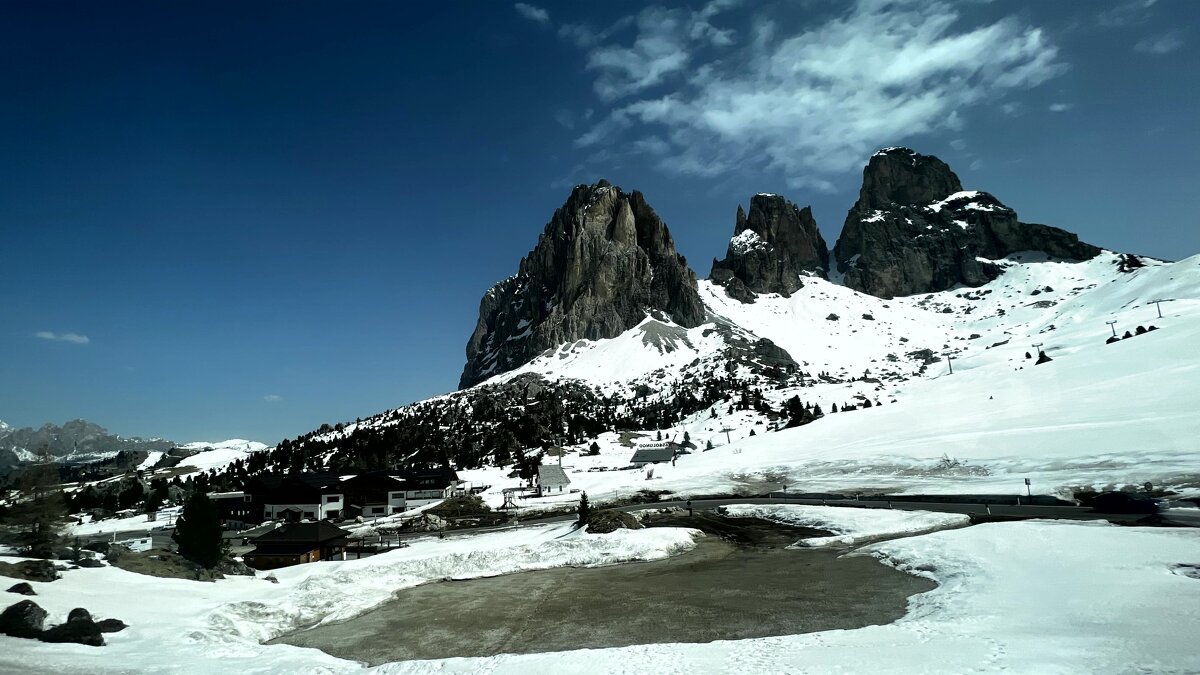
[[604, 260], [771, 248]]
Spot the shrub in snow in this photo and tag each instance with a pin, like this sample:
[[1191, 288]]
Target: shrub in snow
[[111, 625], [81, 630], [603, 522]]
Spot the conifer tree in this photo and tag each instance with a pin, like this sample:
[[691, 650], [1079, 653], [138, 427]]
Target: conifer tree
[[198, 531], [41, 507], [585, 510]]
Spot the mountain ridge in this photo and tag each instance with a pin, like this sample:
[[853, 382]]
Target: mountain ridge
[[606, 261]]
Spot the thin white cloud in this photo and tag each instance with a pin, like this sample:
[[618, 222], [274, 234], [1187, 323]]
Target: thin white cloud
[[1160, 44], [73, 338], [1129, 13], [1060, 107], [564, 118], [812, 103], [663, 45], [272, 398], [534, 14]]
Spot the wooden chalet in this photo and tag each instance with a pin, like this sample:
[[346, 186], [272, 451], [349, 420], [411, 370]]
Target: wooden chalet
[[296, 544]]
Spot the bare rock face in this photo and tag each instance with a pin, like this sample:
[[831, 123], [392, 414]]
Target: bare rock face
[[604, 260], [915, 230], [771, 248]]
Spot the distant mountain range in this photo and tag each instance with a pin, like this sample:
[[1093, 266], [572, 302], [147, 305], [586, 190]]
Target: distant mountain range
[[80, 441]]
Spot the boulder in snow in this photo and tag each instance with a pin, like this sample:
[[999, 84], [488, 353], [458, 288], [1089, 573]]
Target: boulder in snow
[[24, 620]]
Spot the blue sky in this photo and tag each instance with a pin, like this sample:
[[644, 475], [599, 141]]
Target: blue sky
[[246, 219]]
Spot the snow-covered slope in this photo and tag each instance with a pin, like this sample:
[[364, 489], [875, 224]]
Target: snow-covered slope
[[221, 454], [1096, 415]]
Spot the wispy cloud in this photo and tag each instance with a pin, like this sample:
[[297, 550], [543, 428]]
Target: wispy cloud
[[1060, 107], [1160, 44], [272, 398], [534, 14], [73, 338], [662, 46], [705, 101], [1128, 13]]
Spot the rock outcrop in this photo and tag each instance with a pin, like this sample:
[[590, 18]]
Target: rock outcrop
[[22, 588], [604, 260], [24, 620], [915, 230], [771, 248]]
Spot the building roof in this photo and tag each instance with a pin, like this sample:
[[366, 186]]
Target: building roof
[[552, 474], [664, 454], [319, 532], [300, 488]]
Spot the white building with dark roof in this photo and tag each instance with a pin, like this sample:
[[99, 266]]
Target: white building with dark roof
[[552, 480]]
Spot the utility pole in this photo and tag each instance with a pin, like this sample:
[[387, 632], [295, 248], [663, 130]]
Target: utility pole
[[1113, 325], [1159, 306], [949, 361], [1038, 346]]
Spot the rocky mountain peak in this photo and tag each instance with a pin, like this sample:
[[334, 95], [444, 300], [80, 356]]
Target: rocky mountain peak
[[771, 248], [601, 264], [915, 230], [902, 176]]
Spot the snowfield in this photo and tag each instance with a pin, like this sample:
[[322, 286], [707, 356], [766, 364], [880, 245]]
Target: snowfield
[[138, 522], [180, 626], [1097, 416], [849, 525], [220, 455]]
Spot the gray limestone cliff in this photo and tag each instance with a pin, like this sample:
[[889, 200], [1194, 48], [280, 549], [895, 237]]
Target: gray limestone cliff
[[602, 263], [772, 247], [915, 230]]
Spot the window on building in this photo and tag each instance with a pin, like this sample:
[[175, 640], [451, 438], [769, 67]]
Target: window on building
[[329, 499], [309, 514]]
